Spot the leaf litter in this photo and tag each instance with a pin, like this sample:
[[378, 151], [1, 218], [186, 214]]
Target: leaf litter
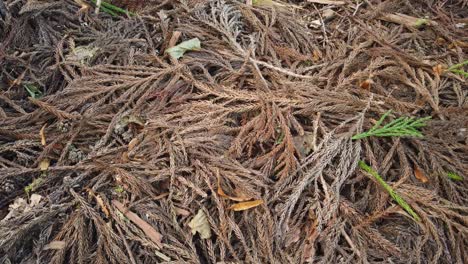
[[267, 94]]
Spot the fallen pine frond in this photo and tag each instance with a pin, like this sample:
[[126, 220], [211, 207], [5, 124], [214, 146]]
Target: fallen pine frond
[[390, 190]]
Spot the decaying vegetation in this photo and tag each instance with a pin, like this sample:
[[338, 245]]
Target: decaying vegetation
[[241, 151]]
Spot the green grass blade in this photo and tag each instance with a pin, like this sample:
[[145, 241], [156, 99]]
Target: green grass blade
[[390, 190]]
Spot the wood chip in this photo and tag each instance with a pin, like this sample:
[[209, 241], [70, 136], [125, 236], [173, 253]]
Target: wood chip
[[149, 231], [44, 164], [407, 21], [246, 205]]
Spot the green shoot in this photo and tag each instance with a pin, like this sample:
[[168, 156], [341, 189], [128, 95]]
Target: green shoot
[[400, 127], [33, 186], [32, 90], [390, 190], [454, 176], [456, 69], [112, 9], [119, 189]]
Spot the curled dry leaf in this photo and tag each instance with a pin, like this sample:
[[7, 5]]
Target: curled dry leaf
[[201, 225], [366, 84], [420, 175], [149, 231], [99, 201], [42, 134], [133, 143], [221, 193], [179, 50], [245, 205]]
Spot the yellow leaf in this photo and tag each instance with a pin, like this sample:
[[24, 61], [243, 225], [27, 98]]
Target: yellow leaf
[[42, 134], [44, 164], [420, 175], [246, 205]]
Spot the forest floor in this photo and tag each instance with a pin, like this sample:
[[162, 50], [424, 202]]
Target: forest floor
[[257, 131]]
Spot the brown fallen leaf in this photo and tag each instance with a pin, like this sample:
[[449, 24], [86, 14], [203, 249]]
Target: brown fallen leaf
[[56, 245], [366, 84], [224, 195], [245, 205], [132, 144], [438, 69], [42, 134], [99, 201], [154, 235], [420, 175], [316, 55]]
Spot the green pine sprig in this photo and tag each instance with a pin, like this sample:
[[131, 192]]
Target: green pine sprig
[[457, 68], [400, 127], [390, 190]]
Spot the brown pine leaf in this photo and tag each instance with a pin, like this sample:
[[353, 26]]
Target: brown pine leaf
[[245, 205], [420, 175], [149, 231]]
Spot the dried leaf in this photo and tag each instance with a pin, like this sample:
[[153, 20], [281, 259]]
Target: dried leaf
[[56, 245], [149, 231], [82, 54], [34, 200], [201, 225], [366, 84], [246, 205], [133, 143], [224, 195], [420, 175], [42, 134], [44, 164], [438, 69], [316, 55], [179, 50]]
